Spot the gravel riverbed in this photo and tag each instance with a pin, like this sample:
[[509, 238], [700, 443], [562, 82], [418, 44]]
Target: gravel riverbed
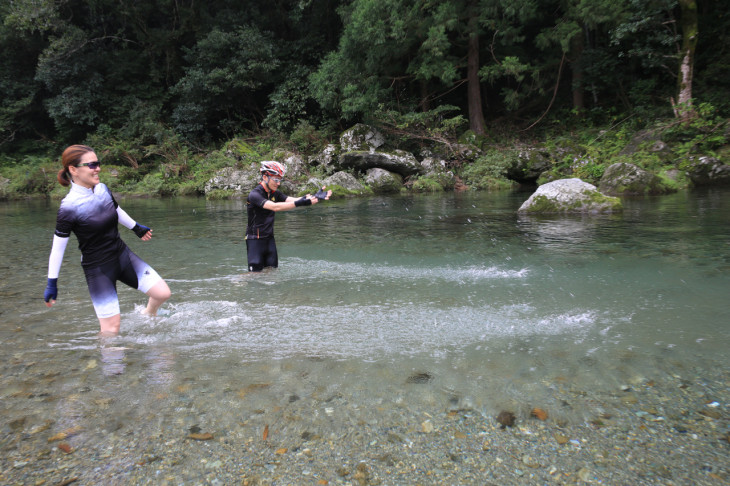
[[92, 423]]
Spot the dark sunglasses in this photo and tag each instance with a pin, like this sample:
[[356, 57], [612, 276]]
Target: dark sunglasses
[[91, 165]]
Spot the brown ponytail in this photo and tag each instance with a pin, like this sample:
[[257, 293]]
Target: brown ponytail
[[71, 157], [64, 178]]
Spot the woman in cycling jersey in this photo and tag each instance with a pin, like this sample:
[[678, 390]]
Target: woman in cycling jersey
[[91, 213]]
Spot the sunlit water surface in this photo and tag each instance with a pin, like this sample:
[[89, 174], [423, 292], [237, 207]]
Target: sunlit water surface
[[456, 292]]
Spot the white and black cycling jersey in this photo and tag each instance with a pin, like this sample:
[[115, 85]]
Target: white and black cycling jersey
[[91, 214]]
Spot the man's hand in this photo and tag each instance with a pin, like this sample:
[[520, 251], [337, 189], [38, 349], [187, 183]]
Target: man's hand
[[322, 194]]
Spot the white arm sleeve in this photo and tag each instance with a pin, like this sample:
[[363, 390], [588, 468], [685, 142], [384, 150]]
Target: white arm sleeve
[[124, 219], [56, 258]]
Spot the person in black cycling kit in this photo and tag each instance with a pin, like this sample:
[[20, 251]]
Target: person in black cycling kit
[[92, 214], [262, 204]]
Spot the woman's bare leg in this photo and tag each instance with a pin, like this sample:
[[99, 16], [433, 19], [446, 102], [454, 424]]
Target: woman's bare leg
[[110, 325], [158, 294]]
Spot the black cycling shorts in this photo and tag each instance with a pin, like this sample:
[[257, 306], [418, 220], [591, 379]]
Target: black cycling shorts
[[261, 253]]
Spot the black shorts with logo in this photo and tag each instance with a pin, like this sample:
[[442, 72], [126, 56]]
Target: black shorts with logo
[[261, 253]]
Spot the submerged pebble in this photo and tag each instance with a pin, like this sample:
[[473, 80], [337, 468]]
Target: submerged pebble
[[506, 419]]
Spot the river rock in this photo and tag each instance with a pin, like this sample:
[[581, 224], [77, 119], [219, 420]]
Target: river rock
[[398, 161], [570, 196], [711, 413], [506, 419], [539, 414], [362, 474], [344, 179], [560, 438], [326, 158], [293, 163], [647, 140], [584, 474], [437, 169], [237, 181], [200, 436], [314, 184], [527, 167], [466, 150], [433, 165], [640, 138], [240, 182], [361, 137], [708, 171], [382, 181], [629, 179], [420, 378]]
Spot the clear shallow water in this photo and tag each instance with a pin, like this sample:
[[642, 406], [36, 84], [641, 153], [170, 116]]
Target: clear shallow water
[[492, 308]]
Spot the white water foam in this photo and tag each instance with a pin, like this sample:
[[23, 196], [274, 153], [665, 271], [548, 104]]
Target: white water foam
[[358, 271], [255, 331]]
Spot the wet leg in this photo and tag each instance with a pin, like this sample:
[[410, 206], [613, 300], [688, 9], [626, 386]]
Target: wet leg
[[110, 325], [158, 294]]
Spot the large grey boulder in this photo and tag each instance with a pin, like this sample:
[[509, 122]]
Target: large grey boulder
[[382, 181], [398, 161], [570, 196], [629, 179], [643, 138], [708, 171], [361, 137], [345, 180], [438, 169], [236, 181], [527, 166], [294, 164], [433, 165], [326, 159], [240, 182]]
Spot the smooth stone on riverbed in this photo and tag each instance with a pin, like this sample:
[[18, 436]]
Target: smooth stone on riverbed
[[506, 419]]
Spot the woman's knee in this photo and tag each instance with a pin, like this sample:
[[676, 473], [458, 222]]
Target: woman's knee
[[160, 291]]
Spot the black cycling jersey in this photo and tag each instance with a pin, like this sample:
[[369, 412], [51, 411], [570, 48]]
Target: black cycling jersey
[[260, 220], [91, 214]]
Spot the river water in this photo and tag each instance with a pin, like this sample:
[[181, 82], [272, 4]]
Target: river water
[[451, 299]]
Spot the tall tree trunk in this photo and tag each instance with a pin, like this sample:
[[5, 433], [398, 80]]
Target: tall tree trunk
[[576, 68], [474, 100], [683, 108], [425, 102]]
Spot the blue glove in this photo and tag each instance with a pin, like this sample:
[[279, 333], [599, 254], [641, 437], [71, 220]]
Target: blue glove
[[51, 290], [140, 230]]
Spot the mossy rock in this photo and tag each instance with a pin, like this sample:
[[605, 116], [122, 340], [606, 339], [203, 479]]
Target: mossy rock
[[219, 194], [629, 179], [427, 184], [570, 196]]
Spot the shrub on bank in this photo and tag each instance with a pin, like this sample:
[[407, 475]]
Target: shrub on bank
[[31, 176], [488, 171]]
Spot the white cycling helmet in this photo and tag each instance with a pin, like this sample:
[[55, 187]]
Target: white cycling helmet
[[271, 167]]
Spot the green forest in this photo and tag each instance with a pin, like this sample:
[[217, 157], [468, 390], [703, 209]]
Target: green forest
[[167, 90]]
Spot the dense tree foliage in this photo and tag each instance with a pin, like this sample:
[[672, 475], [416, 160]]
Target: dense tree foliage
[[137, 73]]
